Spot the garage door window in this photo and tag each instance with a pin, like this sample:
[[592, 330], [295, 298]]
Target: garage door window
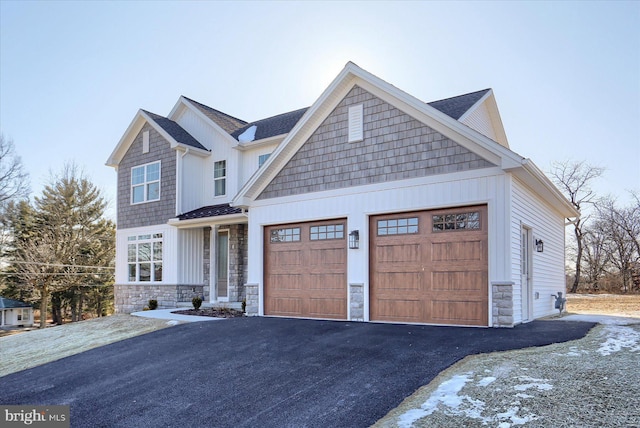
[[329, 231], [291, 234], [398, 226], [460, 221]]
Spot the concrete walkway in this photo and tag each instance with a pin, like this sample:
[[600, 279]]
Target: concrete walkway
[[168, 314]]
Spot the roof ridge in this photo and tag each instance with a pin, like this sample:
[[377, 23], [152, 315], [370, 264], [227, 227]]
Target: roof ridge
[[458, 96], [278, 115], [215, 110]]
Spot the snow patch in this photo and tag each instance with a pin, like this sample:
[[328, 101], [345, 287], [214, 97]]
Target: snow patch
[[486, 381], [173, 322], [619, 337], [538, 384], [248, 135], [512, 415]]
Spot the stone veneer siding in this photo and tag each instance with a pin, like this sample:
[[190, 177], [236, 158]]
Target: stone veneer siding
[[238, 260], [252, 308], [356, 305], [148, 213], [502, 304], [395, 147]]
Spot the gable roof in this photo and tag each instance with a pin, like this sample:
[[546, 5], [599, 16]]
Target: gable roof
[[274, 125], [455, 107], [441, 121], [10, 303], [176, 131], [225, 121]]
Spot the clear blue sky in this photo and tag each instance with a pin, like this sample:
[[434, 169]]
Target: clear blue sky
[[566, 75]]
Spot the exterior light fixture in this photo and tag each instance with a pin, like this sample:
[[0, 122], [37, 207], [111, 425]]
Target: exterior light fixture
[[539, 245], [354, 239]]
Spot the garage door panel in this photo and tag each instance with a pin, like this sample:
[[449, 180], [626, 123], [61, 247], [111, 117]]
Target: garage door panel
[[435, 272], [286, 306], [393, 281], [458, 251], [399, 310], [327, 308], [468, 281], [458, 312], [398, 253], [305, 270]]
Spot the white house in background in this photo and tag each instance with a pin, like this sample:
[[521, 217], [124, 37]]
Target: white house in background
[[15, 313], [370, 205]]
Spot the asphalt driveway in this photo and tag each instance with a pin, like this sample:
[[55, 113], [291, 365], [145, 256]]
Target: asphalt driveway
[[266, 372]]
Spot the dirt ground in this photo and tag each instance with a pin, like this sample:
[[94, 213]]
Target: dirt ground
[[35, 347], [591, 382], [605, 304]]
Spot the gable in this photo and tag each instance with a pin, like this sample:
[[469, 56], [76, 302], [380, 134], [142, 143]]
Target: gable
[[395, 146]]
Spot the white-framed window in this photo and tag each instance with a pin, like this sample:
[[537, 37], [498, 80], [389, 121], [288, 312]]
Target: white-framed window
[[144, 256], [356, 120], [23, 314], [220, 178], [145, 183], [262, 159]]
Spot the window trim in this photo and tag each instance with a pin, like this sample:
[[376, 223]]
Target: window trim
[[146, 238], [222, 178], [146, 183]]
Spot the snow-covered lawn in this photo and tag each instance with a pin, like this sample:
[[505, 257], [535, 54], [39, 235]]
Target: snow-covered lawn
[[592, 382]]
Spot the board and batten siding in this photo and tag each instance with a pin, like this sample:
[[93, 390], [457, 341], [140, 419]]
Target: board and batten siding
[[480, 120], [190, 256], [196, 182], [548, 270], [169, 252], [357, 204]]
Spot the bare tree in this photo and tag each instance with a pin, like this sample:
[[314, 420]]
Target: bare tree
[[595, 254], [14, 185], [574, 179]]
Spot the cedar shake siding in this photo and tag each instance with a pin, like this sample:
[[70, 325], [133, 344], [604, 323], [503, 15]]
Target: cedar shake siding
[[154, 212], [395, 147]]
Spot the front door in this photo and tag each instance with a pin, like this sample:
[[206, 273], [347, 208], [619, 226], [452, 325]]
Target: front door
[[525, 272], [222, 265]]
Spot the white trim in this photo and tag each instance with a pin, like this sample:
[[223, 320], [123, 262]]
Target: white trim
[[145, 183], [355, 123]]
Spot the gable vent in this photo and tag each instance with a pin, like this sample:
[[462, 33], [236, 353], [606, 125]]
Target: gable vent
[[355, 123], [145, 142]]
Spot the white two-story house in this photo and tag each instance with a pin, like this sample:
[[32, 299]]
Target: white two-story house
[[370, 205]]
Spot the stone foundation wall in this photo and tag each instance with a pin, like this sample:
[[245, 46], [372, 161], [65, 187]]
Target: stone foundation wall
[[134, 297], [502, 304], [356, 305], [185, 293], [252, 308]]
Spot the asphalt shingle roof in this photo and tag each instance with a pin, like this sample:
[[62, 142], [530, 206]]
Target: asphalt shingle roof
[[210, 211], [272, 126], [176, 131], [223, 120], [455, 107], [10, 303]]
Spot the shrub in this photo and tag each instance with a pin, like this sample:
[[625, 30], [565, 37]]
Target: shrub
[[196, 301], [153, 304]]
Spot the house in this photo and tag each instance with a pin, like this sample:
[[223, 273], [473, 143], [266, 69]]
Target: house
[[370, 205], [15, 313]]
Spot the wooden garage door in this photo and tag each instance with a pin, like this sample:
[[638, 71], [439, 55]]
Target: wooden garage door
[[430, 267], [305, 267]]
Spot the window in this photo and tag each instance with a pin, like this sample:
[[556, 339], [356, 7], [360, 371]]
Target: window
[[461, 221], [220, 178], [330, 231], [262, 159], [145, 258], [398, 226], [145, 183], [355, 123], [285, 235]]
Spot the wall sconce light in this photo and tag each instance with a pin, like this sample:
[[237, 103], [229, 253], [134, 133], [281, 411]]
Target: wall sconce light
[[539, 245], [354, 240]]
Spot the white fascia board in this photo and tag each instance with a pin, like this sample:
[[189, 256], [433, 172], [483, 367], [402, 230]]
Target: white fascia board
[[127, 138], [259, 143], [182, 100], [496, 120], [208, 221], [475, 106], [190, 150], [533, 177]]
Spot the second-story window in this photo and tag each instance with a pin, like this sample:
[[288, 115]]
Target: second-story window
[[262, 159], [220, 178], [145, 183]]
